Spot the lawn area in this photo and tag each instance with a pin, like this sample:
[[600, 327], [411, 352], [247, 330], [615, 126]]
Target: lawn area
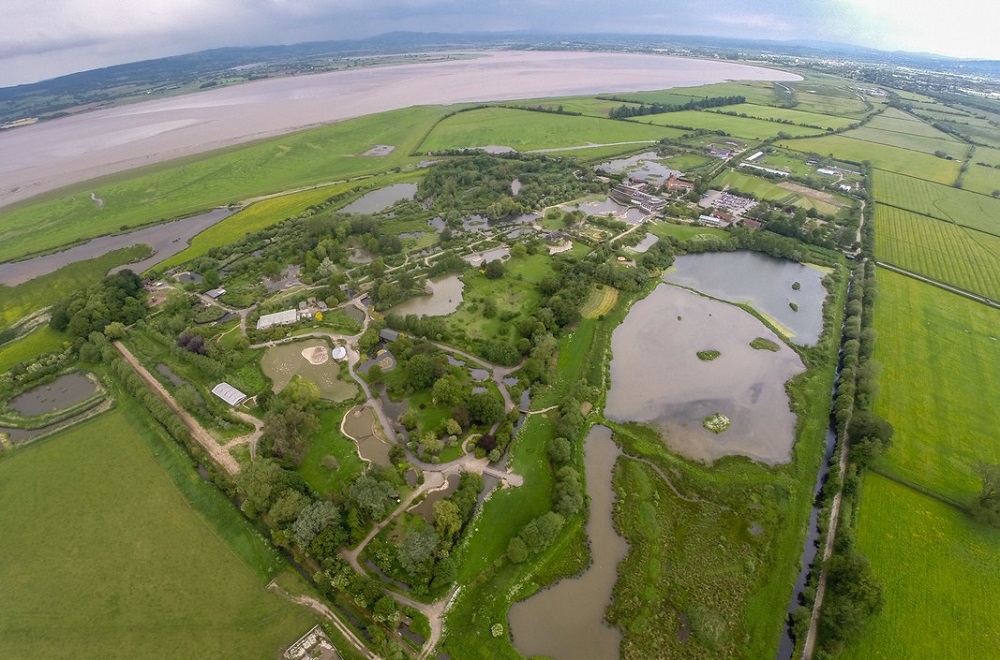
[[882, 156], [602, 299], [686, 232], [940, 571], [923, 144], [784, 114], [748, 129], [939, 201], [944, 251], [983, 180], [768, 190], [104, 557], [584, 105], [191, 185], [939, 354], [23, 299], [828, 95], [25, 349], [761, 92], [321, 475], [525, 131]]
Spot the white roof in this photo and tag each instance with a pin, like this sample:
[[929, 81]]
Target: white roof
[[278, 318], [229, 394], [339, 353]]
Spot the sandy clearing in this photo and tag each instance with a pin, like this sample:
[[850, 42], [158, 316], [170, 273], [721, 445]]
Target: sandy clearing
[[48, 155]]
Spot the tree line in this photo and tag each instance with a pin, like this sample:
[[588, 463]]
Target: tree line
[[627, 111]]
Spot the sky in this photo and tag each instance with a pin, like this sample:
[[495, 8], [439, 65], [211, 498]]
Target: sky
[[42, 39]]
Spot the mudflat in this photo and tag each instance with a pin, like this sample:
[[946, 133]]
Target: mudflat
[[48, 155]]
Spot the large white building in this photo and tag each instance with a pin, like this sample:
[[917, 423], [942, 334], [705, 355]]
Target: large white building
[[229, 394], [286, 317]]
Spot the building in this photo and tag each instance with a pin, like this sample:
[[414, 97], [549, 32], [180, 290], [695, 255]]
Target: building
[[286, 317], [338, 353], [229, 394], [673, 184], [388, 334], [215, 293]]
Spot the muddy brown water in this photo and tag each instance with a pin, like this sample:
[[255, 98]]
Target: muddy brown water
[[644, 166], [566, 621], [166, 240], [426, 507], [65, 391], [657, 377], [284, 362], [445, 297], [648, 241], [763, 281], [379, 200]]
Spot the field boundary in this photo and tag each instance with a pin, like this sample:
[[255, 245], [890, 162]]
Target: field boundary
[[951, 288]]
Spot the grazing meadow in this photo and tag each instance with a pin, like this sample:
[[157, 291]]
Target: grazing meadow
[[102, 568], [885, 157], [939, 201]]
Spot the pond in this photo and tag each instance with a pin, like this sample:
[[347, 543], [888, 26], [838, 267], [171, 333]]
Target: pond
[[426, 507], [657, 377], [65, 391], [648, 241], [308, 359], [379, 200], [766, 283], [165, 239], [168, 373], [359, 425], [480, 258], [645, 167], [620, 212], [445, 297], [566, 621]]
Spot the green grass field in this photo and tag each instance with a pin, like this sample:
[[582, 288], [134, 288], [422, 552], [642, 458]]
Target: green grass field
[[760, 92], [784, 114], [897, 121], [602, 299], [939, 201], [331, 442], [920, 143], [766, 189], [526, 131], [740, 127], [894, 159], [940, 571], [939, 388], [105, 558], [983, 180], [686, 232], [33, 295], [966, 258], [192, 185], [828, 95], [40, 341]]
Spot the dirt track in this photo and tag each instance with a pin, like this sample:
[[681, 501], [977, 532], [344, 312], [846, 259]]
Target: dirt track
[[222, 457]]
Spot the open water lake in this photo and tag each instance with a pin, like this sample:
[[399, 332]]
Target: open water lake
[[657, 377], [766, 283], [379, 200], [445, 297], [566, 621]]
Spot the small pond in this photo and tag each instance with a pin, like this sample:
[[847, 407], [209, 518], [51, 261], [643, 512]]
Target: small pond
[[426, 507], [644, 166], [168, 373], [359, 425], [766, 283], [566, 621], [65, 391], [379, 200], [648, 241], [445, 297], [166, 239], [480, 258], [308, 359], [515, 187], [657, 377]]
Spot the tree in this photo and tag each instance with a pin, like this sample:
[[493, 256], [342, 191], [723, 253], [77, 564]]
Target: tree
[[114, 330], [287, 432], [421, 371], [372, 496], [431, 443], [870, 436], [494, 269], [259, 484], [517, 551], [560, 450], [451, 427], [518, 251], [447, 520], [485, 408], [986, 506], [417, 548], [312, 520], [287, 507]]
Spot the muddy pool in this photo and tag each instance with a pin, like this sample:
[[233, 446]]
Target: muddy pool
[[445, 297], [284, 362], [657, 377], [566, 621], [65, 391]]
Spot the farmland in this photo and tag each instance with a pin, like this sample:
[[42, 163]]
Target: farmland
[[923, 144], [746, 128], [939, 201], [939, 569], [883, 157], [784, 114], [941, 250], [773, 192], [188, 186], [938, 353], [525, 131], [114, 571], [983, 180]]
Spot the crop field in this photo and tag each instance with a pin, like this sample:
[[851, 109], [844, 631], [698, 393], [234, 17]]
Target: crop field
[[923, 144], [940, 572], [255, 217], [882, 156], [898, 121], [939, 201], [601, 301], [526, 131], [987, 155], [95, 567], [983, 180], [828, 95], [964, 257], [188, 186], [939, 388], [759, 92], [23, 299], [784, 114], [748, 129]]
